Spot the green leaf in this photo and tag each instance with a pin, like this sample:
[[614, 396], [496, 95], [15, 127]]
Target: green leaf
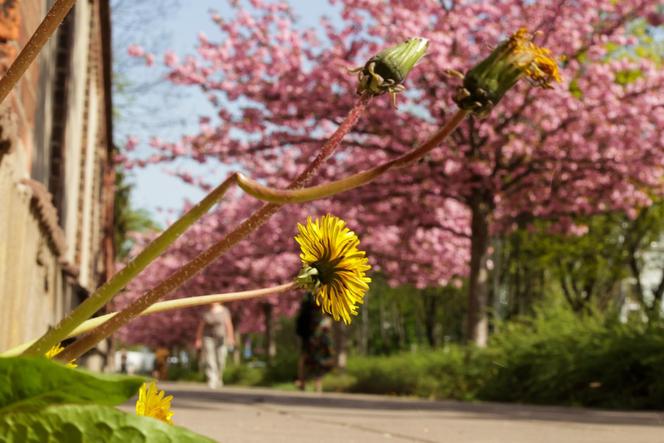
[[88, 423], [575, 89], [28, 382], [627, 76]]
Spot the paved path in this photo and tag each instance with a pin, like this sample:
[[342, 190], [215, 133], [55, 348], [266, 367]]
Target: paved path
[[238, 415]]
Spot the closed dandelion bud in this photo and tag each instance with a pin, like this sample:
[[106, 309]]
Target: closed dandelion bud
[[486, 83], [386, 71]]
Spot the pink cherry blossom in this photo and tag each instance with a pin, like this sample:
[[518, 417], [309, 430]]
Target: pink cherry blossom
[[589, 145]]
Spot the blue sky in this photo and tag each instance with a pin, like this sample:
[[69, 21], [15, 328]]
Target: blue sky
[[165, 111]]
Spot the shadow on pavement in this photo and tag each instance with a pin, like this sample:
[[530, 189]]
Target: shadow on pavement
[[484, 411]]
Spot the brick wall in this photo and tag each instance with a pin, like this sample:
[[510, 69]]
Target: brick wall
[[51, 142], [10, 21]]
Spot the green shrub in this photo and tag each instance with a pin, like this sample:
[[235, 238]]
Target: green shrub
[[452, 372], [243, 375], [184, 373], [553, 357], [561, 358], [338, 381], [282, 369]]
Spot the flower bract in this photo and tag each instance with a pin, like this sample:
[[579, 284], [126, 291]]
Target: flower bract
[[332, 266]]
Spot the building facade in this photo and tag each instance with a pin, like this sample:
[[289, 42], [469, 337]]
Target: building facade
[[56, 172]]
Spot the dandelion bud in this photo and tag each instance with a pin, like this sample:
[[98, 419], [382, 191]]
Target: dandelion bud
[[486, 83], [386, 71]]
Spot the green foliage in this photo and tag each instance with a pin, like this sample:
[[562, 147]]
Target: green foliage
[[31, 382], [575, 89], [243, 375], [642, 239], [87, 423], [400, 318], [586, 270], [338, 381], [127, 219], [556, 356], [185, 373], [41, 400], [627, 76], [283, 368], [589, 271], [453, 372]]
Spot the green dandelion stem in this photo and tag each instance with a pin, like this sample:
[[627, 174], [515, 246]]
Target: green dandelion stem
[[170, 305], [175, 280], [120, 280], [283, 196]]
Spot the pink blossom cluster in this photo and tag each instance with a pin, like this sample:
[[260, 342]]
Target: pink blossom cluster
[[590, 145]]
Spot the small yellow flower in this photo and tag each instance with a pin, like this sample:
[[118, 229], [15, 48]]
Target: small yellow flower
[[332, 266], [54, 351], [486, 83], [152, 403]]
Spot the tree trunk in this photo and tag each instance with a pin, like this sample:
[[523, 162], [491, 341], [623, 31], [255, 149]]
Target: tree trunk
[[270, 345], [430, 306], [364, 329], [496, 285], [237, 351], [398, 327], [477, 322], [381, 323]]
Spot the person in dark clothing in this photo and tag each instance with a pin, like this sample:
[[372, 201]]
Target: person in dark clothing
[[308, 318], [320, 359]]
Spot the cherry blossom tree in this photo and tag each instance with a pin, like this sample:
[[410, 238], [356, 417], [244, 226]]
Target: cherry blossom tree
[[594, 144]]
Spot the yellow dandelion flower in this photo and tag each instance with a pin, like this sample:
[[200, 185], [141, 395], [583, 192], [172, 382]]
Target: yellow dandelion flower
[[537, 63], [152, 403], [332, 266], [54, 351], [517, 57]]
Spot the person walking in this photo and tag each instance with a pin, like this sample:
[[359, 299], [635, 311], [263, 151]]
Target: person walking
[[215, 336], [321, 357], [161, 363]]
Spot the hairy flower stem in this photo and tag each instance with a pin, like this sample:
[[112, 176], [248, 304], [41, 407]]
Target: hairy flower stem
[[164, 306], [284, 196], [108, 290], [215, 251], [29, 53]]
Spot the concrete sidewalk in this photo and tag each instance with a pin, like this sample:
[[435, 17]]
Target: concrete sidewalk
[[234, 415]]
